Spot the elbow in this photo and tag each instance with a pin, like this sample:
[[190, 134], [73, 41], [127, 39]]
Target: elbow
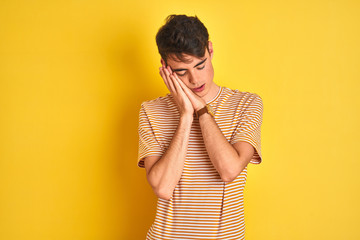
[[159, 190], [232, 175], [227, 179], [163, 194]]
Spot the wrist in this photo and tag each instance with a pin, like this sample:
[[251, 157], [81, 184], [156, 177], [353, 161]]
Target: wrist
[[204, 115], [200, 107], [207, 109], [187, 118]]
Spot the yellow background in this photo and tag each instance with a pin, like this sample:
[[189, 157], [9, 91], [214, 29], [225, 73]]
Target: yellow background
[[74, 73]]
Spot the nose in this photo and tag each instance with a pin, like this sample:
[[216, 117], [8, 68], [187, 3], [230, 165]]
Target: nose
[[193, 79]]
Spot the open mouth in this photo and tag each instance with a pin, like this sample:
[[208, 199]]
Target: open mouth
[[199, 89]]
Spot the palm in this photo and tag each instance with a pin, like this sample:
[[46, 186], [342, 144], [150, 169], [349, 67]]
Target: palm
[[183, 102]]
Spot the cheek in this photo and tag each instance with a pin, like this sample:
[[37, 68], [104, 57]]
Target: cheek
[[184, 80], [210, 73]]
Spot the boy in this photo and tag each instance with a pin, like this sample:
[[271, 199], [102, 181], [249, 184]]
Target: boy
[[195, 143]]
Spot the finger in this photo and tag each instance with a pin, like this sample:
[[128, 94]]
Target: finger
[[193, 97], [179, 89], [169, 69], [169, 82], [183, 86], [177, 79], [162, 74], [176, 84], [188, 92]]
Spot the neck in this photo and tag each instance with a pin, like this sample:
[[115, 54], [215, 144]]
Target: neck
[[212, 93]]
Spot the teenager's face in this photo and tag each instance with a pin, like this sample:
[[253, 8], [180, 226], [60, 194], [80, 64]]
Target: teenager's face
[[196, 73]]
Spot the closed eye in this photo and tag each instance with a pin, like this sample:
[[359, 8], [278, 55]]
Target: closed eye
[[199, 68], [181, 74]]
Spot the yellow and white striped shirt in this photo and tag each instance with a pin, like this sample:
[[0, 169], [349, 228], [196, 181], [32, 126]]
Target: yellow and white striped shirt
[[202, 205]]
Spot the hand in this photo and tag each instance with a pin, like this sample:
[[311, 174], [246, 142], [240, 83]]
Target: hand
[[196, 101], [182, 101]]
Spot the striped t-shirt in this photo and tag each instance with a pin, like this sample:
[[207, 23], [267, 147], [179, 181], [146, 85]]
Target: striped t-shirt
[[202, 205]]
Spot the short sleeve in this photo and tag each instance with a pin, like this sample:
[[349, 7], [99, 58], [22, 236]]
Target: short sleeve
[[249, 126], [148, 145]]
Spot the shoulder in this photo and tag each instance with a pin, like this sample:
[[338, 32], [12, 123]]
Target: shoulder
[[163, 105], [242, 98], [159, 102]]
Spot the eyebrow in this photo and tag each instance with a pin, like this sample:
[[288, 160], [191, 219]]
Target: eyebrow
[[183, 69]]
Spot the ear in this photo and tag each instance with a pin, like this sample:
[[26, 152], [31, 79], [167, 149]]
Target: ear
[[211, 50], [163, 62]]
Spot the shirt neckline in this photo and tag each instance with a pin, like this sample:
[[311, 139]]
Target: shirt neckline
[[216, 97]]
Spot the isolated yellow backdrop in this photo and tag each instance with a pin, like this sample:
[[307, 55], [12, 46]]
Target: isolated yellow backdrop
[[74, 73]]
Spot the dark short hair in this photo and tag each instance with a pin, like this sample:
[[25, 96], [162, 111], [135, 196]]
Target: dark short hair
[[182, 34]]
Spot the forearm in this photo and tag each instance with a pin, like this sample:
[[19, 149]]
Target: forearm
[[222, 154], [166, 172]]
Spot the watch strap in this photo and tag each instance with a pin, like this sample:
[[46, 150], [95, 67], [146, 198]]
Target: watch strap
[[201, 111], [206, 109]]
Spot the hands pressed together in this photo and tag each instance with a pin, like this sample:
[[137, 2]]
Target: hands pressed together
[[187, 101]]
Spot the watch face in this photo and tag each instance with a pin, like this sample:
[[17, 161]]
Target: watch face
[[210, 109]]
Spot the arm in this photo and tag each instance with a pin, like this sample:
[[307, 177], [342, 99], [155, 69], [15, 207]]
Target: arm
[[164, 173], [229, 160]]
